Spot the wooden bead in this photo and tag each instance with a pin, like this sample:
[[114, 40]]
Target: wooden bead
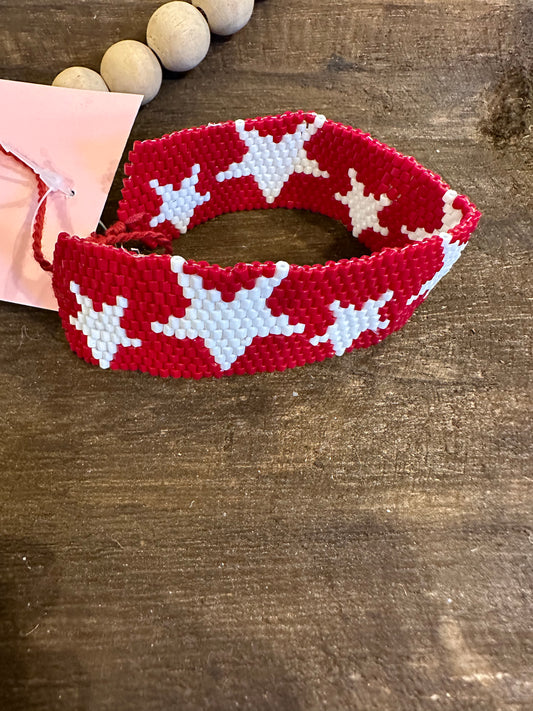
[[132, 68], [179, 35], [225, 17], [80, 78]]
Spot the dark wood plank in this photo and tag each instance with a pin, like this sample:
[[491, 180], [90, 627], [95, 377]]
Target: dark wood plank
[[351, 535]]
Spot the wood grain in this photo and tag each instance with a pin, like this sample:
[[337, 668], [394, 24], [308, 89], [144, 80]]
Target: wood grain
[[355, 534]]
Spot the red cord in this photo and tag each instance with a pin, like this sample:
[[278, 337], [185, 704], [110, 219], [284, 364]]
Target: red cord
[[38, 226]]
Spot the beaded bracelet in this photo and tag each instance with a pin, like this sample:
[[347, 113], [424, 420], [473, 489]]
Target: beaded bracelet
[[183, 318]]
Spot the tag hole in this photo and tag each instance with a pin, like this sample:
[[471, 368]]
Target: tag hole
[[72, 193]]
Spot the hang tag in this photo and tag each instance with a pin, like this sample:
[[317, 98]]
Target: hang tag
[[75, 139]]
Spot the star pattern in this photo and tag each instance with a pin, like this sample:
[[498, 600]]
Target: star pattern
[[350, 322], [451, 217], [271, 163], [363, 208], [452, 252], [102, 328], [179, 205], [227, 328]]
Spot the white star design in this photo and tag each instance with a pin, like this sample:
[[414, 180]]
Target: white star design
[[363, 208], [179, 205], [227, 328], [102, 328], [451, 217], [452, 252], [272, 163], [350, 323]]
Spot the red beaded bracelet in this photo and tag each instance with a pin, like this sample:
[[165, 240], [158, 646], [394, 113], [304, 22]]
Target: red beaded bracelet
[[175, 317]]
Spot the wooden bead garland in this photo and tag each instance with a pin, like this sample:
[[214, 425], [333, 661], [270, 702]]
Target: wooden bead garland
[[179, 35]]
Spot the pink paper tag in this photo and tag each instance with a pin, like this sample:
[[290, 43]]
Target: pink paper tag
[[79, 135]]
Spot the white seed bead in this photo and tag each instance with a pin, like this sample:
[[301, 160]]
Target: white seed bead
[[132, 68], [225, 17], [179, 35], [80, 78]]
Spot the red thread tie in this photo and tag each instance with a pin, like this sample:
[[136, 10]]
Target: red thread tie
[[38, 223], [130, 230]]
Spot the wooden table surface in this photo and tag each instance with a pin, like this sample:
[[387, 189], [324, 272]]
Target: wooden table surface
[[355, 534]]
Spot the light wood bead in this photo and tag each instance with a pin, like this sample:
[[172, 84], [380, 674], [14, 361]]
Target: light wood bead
[[80, 78], [179, 35], [131, 67], [225, 17]]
